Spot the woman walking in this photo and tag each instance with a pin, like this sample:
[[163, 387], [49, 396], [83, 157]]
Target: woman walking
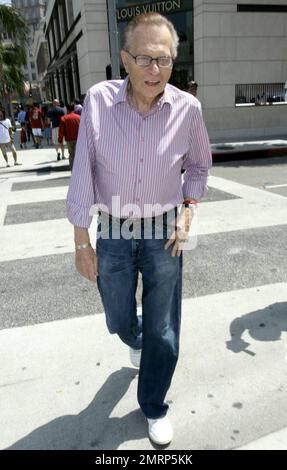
[[6, 138]]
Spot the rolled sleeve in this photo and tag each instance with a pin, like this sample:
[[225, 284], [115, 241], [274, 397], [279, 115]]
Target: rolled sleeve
[[81, 193], [198, 159]]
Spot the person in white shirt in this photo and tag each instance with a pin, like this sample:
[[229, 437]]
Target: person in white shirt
[[6, 138]]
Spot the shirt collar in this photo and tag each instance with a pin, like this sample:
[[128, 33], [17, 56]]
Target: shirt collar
[[121, 96], [166, 97]]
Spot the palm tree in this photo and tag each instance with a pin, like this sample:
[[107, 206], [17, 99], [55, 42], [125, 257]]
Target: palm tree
[[13, 51]]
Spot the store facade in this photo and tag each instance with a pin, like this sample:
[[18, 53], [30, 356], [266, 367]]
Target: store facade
[[236, 52]]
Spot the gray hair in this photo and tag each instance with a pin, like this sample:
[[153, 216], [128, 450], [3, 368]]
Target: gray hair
[[147, 20]]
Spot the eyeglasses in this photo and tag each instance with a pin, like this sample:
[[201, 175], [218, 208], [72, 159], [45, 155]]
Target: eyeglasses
[[146, 60]]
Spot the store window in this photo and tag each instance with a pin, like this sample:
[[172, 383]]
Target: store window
[[70, 12], [51, 43], [180, 13], [62, 19], [56, 31], [259, 94]]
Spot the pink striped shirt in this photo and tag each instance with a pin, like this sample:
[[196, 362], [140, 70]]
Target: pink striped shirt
[[137, 157]]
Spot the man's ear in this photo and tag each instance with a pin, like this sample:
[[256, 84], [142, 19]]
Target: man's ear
[[124, 57]]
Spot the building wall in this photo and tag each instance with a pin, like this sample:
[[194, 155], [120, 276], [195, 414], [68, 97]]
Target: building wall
[[239, 48], [33, 11], [62, 31], [93, 46], [88, 29], [40, 52]]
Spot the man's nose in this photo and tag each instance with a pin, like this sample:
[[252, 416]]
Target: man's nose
[[154, 66]]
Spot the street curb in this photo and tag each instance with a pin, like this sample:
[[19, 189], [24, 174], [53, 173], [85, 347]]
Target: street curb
[[229, 155]]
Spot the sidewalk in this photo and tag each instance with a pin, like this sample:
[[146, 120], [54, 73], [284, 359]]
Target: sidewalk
[[34, 160], [221, 151], [257, 148]]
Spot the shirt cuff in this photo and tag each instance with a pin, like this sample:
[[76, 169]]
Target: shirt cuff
[[195, 189], [78, 215], [190, 200]]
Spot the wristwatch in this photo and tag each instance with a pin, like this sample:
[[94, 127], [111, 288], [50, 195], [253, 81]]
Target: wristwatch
[[190, 202], [82, 246]]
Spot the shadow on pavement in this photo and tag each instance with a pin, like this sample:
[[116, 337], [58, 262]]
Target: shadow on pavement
[[93, 428], [243, 154], [47, 162], [266, 324], [48, 169], [38, 171]]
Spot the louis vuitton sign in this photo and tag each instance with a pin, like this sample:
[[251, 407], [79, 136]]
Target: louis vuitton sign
[[168, 6]]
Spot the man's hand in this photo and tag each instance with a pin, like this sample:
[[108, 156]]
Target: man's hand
[[85, 259], [180, 236], [87, 263]]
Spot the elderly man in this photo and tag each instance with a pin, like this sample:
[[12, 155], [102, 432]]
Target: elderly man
[[135, 137]]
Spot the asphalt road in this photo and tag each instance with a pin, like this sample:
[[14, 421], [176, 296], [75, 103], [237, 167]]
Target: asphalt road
[[47, 288]]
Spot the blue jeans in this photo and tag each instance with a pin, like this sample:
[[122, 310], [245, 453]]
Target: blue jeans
[[157, 331]]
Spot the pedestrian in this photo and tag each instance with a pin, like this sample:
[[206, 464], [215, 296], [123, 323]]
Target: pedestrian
[[63, 106], [6, 138], [78, 107], [28, 125], [192, 87], [21, 115], [47, 130], [37, 124], [23, 136], [69, 128], [55, 114], [135, 136]]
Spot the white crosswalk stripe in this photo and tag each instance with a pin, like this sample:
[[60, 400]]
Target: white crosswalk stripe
[[255, 208]]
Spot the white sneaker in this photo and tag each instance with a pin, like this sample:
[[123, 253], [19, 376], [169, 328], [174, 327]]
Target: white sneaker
[[135, 357], [160, 430]]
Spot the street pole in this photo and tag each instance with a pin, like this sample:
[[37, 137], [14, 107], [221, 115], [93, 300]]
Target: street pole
[[114, 39]]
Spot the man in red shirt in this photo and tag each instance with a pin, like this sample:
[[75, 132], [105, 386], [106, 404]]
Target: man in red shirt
[[37, 124], [69, 127]]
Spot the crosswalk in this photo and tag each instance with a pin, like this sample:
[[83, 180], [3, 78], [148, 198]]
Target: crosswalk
[[252, 208], [230, 384]]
